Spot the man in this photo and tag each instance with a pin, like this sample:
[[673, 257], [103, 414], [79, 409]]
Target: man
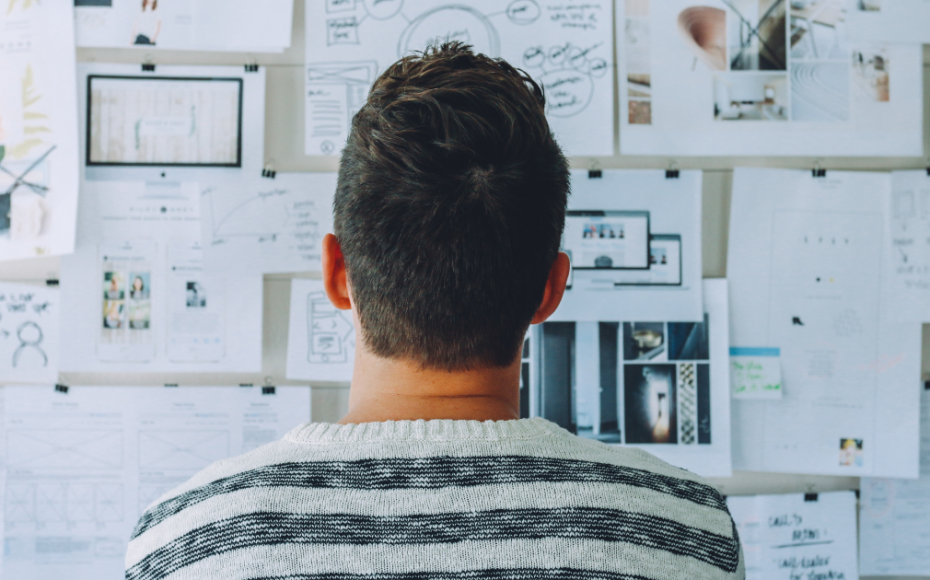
[[448, 216]]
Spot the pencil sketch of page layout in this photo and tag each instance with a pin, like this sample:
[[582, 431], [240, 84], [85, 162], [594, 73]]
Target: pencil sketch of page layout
[[566, 47], [660, 386], [266, 225], [634, 239], [192, 25], [320, 338], [137, 297], [762, 77], [805, 272], [889, 20], [28, 333], [38, 130], [894, 517], [83, 465], [907, 246], [789, 537]]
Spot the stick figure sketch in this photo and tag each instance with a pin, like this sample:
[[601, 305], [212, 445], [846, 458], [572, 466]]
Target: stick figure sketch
[[30, 337]]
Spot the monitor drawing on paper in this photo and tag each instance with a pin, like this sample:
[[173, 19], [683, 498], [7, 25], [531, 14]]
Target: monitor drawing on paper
[[159, 129], [332, 334], [607, 240]]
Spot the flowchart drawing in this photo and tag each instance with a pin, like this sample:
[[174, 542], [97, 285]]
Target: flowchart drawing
[[188, 450], [331, 331], [65, 448]]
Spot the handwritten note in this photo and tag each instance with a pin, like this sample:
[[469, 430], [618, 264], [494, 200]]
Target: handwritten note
[[907, 247], [797, 537], [28, 333], [755, 373]]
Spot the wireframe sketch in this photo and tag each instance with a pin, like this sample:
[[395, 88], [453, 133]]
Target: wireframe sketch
[[335, 91], [64, 448], [331, 331], [187, 450], [65, 502]]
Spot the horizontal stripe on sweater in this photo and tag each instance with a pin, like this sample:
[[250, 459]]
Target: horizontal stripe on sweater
[[260, 528], [432, 473], [489, 574]]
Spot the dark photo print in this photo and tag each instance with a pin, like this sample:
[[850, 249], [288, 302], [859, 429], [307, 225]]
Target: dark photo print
[[688, 340], [643, 340], [650, 403]]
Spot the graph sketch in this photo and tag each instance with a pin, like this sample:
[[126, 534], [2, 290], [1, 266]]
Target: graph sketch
[[64, 502], [64, 448], [349, 44], [187, 450]]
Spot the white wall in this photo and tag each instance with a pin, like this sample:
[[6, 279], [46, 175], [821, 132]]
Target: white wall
[[284, 118]]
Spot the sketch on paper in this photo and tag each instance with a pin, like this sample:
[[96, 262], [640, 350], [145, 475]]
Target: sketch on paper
[[321, 339], [28, 333], [49, 503], [64, 448], [188, 449], [350, 44], [331, 332]]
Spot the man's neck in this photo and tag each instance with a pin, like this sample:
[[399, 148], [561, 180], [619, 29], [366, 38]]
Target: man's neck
[[394, 390]]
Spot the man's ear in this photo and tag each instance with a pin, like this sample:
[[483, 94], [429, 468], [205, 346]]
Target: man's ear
[[335, 281], [555, 288]]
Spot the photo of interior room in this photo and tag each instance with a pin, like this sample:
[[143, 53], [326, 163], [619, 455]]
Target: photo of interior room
[[750, 97], [818, 29]]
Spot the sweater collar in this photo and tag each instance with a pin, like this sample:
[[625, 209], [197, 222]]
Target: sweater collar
[[420, 430]]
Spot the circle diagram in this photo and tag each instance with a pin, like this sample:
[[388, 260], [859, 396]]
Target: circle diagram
[[450, 23]]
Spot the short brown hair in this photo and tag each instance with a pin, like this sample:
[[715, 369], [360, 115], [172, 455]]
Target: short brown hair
[[450, 208]]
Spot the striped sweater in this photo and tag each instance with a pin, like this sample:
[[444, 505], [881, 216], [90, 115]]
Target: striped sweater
[[444, 500]]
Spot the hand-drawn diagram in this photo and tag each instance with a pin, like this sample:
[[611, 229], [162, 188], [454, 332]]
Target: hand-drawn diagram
[[64, 502], [360, 38], [28, 332], [64, 448], [332, 335], [181, 450]]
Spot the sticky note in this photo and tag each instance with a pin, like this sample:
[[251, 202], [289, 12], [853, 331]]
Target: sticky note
[[755, 373]]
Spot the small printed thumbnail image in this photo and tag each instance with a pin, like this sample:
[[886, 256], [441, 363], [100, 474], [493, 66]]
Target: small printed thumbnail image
[[869, 5], [751, 96], [870, 73], [818, 30], [640, 112], [114, 299], [196, 295], [587, 384], [851, 454], [140, 304], [603, 231], [639, 86], [658, 256]]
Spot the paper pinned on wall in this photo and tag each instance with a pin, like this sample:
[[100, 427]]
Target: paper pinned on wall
[[806, 276], [660, 386], [750, 77], [755, 373], [28, 333], [228, 25], [38, 130], [321, 338], [889, 20], [634, 239], [136, 295], [894, 535], [907, 246], [567, 48], [266, 225], [786, 537], [83, 465]]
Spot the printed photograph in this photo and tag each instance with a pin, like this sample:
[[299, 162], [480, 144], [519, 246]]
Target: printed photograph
[[820, 91], [140, 314], [113, 285], [196, 295], [658, 256], [870, 70], [639, 85], [644, 341], [757, 34], [140, 285], [649, 396], [816, 30], [113, 312], [640, 112], [601, 230], [870, 5], [688, 340], [750, 97], [851, 453]]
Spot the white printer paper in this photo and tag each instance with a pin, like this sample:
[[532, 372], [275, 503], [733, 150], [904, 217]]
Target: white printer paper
[[266, 225], [890, 20], [38, 129], [228, 25], [794, 537], [82, 466], [894, 519], [805, 272], [320, 338], [634, 238], [744, 77], [660, 386], [907, 246], [135, 294], [566, 47], [28, 333]]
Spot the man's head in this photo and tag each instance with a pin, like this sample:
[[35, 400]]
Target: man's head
[[449, 210]]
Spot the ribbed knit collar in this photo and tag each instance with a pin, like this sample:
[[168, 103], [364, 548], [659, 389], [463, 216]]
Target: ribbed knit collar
[[437, 430]]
